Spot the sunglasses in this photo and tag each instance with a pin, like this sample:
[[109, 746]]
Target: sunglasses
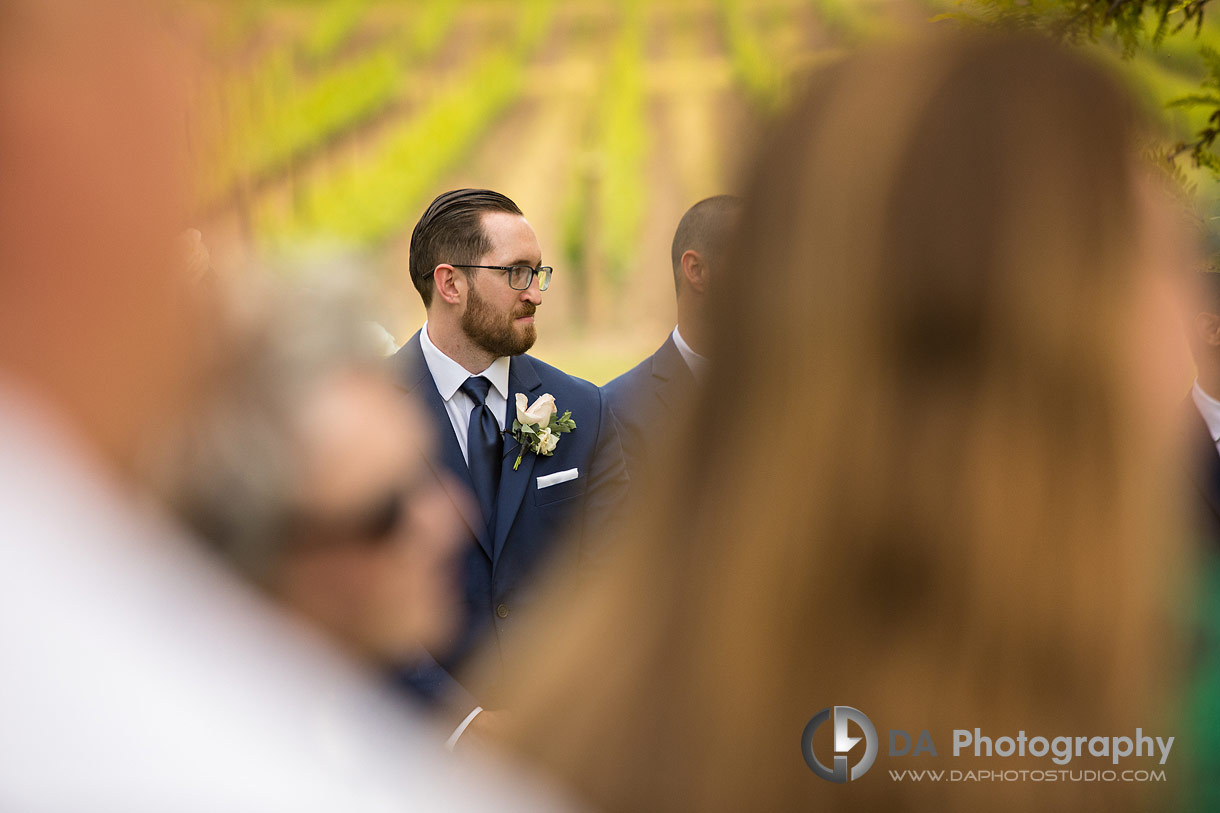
[[373, 524]]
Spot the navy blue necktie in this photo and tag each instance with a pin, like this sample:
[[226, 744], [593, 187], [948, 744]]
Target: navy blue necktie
[[484, 448]]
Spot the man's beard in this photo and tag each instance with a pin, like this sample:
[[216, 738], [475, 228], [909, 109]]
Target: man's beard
[[494, 332]]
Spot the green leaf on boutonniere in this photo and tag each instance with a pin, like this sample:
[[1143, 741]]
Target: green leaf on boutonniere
[[563, 424]]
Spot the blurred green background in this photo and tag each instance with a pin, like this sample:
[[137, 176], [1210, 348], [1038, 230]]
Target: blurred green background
[[330, 124]]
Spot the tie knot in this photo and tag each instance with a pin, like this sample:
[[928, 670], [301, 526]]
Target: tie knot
[[476, 388]]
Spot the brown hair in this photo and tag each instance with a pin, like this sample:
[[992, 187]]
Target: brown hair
[[451, 231], [919, 482]]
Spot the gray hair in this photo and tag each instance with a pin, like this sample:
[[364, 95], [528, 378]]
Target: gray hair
[[230, 468]]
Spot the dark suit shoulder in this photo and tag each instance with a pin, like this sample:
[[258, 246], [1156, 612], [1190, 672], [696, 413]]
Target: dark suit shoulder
[[659, 388], [406, 365], [665, 371], [627, 386]]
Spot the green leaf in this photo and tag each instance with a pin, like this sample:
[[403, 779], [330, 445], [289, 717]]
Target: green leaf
[[1195, 100]]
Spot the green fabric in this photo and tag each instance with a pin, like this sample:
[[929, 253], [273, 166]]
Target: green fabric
[[1202, 725]]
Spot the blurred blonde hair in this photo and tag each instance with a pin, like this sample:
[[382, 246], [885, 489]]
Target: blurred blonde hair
[[920, 481]]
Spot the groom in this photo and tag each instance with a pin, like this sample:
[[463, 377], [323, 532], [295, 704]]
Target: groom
[[477, 265]]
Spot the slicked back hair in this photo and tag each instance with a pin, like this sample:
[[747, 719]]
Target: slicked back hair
[[451, 231], [706, 228]]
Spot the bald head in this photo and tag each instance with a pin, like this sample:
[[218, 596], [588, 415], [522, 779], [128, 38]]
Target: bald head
[[707, 229]]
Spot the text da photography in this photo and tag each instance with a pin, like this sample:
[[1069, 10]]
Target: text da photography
[[853, 747]]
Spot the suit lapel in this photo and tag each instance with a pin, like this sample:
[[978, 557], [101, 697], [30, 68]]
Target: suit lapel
[[411, 373], [677, 381], [513, 484]]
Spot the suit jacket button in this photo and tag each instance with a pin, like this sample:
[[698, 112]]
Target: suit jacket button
[[502, 611]]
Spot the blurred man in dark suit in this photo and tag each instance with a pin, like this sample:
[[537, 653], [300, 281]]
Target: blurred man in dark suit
[[659, 387]]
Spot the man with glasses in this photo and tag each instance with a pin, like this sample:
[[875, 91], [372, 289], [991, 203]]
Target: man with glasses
[[477, 265]]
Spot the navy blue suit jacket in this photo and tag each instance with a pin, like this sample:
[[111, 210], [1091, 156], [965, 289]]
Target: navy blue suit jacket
[[659, 388], [533, 525]]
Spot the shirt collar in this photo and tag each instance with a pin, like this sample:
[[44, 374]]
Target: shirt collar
[[1209, 408], [696, 362], [449, 375]]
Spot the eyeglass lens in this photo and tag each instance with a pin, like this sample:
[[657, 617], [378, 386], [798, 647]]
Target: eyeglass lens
[[522, 275]]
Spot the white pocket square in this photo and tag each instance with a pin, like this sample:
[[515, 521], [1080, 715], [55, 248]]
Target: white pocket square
[[548, 480]]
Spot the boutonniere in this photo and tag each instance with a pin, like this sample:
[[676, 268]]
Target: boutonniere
[[538, 427]]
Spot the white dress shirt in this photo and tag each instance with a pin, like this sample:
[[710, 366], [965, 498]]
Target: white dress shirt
[[450, 376], [1209, 408], [696, 363]]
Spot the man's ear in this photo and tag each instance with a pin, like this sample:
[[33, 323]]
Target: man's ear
[[444, 279], [694, 269]]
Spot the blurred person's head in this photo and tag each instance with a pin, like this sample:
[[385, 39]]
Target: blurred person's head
[[699, 254], [928, 476], [305, 471], [460, 248], [93, 313]]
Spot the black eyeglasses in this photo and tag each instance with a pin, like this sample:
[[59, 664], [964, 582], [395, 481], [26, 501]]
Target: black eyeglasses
[[520, 276]]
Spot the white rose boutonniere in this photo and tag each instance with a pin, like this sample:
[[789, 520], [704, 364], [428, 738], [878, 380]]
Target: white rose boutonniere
[[539, 425]]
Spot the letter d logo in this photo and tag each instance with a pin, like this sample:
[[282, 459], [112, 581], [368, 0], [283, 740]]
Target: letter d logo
[[844, 743]]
